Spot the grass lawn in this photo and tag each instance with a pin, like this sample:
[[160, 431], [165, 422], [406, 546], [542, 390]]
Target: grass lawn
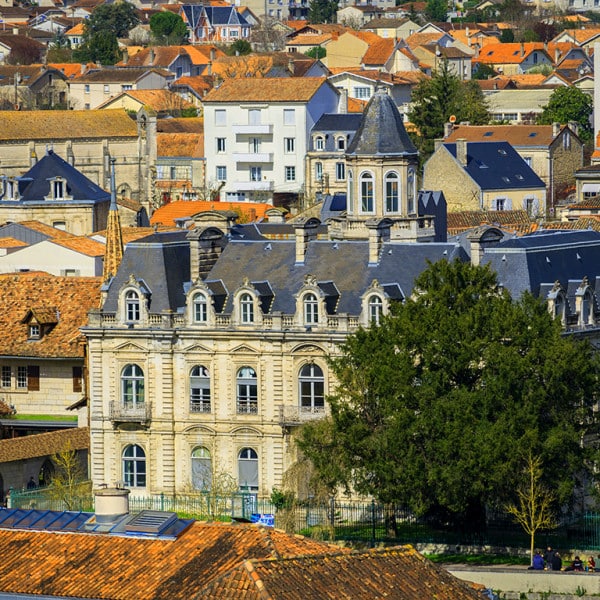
[[478, 559], [20, 417]]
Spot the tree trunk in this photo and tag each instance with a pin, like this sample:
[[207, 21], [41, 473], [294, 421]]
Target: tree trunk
[[391, 527]]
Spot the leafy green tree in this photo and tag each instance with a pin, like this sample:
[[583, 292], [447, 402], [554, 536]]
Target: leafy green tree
[[507, 36], [484, 72], [107, 23], [317, 52], [322, 11], [435, 406], [240, 48], [435, 100], [168, 28], [436, 10], [569, 104]]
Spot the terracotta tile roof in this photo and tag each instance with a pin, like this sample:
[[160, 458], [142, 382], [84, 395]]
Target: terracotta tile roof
[[399, 573], [588, 222], [581, 36], [82, 245], [56, 125], [524, 80], [46, 229], [163, 56], [411, 76], [180, 144], [44, 444], [180, 125], [119, 75], [76, 30], [420, 39], [367, 36], [198, 83], [73, 297], [515, 53], [130, 234], [296, 89], [297, 25], [180, 209], [255, 65], [87, 565], [512, 220], [356, 105], [71, 70], [587, 203], [158, 100], [9, 242], [129, 203], [379, 52], [515, 135], [310, 40]]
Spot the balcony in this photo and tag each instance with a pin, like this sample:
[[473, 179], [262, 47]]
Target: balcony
[[293, 416], [250, 186], [251, 157], [258, 128], [130, 413]]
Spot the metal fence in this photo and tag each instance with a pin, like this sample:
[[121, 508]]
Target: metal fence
[[362, 522]]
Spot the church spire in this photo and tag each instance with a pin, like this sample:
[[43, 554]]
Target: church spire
[[114, 238]]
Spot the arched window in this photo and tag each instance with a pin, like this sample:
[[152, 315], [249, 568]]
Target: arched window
[[201, 469], [199, 390], [248, 470], [366, 192], [247, 308], [247, 391], [319, 143], [132, 386], [341, 143], [200, 305], [392, 198], [375, 306], [587, 308], [312, 389], [311, 309], [350, 191], [132, 306], [134, 466], [410, 192]]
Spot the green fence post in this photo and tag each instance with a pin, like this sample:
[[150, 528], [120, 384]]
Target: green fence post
[[373, 523]]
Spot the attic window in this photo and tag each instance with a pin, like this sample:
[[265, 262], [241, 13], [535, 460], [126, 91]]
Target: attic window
[[533, 134], [34, 332], [502, 151], [506, 179], [519, 177], [488, 134]]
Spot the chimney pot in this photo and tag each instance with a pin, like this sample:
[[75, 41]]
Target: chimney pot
[[461, 151]]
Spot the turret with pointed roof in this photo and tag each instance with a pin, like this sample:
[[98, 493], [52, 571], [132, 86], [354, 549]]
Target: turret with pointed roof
[[114, 238]]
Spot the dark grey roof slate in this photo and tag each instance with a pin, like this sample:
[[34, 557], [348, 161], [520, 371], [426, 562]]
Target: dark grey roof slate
[[381, 130], [34, 185], [497, 166], [338, 122]]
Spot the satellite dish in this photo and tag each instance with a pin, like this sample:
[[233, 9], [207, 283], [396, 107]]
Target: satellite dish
[[452, 119]]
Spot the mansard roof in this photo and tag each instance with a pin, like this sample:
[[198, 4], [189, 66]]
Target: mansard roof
[[338, 122], [34, 185], [381, 131]]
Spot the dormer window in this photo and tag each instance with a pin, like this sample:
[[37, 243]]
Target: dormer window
[[319, 143], [200, 308], [375, 306], [9, 189], [34, 332], [341, 143], [311, 309], [247, 308], [58, 189], [132, 306]]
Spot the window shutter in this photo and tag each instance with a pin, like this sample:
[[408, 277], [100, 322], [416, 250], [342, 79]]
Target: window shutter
[[33, 378], [77, 379]]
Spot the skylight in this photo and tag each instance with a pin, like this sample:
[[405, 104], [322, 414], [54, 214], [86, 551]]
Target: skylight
[[533, 134], [488, 134]]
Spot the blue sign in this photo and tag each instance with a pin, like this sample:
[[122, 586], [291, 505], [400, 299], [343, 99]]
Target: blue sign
[[267, 520]]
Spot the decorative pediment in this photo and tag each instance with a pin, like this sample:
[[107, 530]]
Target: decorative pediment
[[197, 348], [130, 347], [41, 316], [243, 349], [308, 349], [199, 430], [245, 431]]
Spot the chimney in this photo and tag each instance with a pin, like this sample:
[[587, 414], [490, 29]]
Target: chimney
[[334, 35], [343, 102], [291, 66], [379, 233], [152, 56], [205, 248], [125, 55], [555, 129], [574, 127], [437, 143], [212, 54], [305, 230], [209, 68], [461, 151], [111, 504], [448, 128], [556, 55], [522, 49], [482, 238]]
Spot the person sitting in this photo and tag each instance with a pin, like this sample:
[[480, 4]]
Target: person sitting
[[591, 564], [537, 564], [556, 562], [576, 565]]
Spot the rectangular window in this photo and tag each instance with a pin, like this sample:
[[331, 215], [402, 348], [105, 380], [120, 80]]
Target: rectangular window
[[527, 159], [289, 116], [34, 332], [77, 379], [221, 173], [254, 145], [106, 89], [318, 171], [364, 93], [126, 87], [290, 173], [254, 116], [33, 378], [500, 202], [86, 88], [220, 145], [289, 145], [340, 171], [255, 174], [220, 118], [22, 378], [6, 376]]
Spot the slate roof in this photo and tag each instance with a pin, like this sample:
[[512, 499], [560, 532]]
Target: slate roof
[[44, 444], [527, 262], [87, 565], [34, 185], [398, 573], [55, 125], [381, 131], [72, 297], [216, 15], [497, 166], [338, 122]]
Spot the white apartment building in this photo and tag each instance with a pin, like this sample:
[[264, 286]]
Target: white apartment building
[[256, 134]]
